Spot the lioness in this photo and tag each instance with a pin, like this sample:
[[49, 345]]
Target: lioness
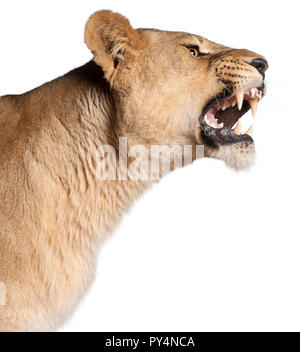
[[152, 87]]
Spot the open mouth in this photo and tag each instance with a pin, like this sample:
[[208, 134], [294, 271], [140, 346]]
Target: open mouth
[[220, 119]]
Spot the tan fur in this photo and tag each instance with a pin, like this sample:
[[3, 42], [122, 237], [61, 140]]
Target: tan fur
[[54, 212]]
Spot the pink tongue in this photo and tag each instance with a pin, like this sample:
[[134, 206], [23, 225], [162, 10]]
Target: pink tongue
[[211, 118]]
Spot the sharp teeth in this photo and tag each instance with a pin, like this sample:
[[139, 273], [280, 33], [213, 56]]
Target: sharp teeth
[[233, 103], [253, 104], [253, 92], [250, 131], [237, 129], [223, 105], [240, 100]]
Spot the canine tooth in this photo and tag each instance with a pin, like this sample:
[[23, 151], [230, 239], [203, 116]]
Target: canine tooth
[[240, 100], [253, 92], [237, 129], [250, 131], [233, 103], [253, 104]]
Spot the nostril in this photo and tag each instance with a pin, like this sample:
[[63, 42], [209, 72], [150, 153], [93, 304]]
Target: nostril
[[261, 65]]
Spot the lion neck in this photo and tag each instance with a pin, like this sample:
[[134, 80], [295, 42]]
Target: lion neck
[[88, 206]]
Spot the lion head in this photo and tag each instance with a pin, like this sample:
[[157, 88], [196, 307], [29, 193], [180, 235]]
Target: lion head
[[178, 88]]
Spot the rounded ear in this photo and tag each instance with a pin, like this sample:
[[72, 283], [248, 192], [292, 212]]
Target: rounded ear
[[109, 35]]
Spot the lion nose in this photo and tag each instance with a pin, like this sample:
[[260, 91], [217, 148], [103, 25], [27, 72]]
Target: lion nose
[[261, 65]]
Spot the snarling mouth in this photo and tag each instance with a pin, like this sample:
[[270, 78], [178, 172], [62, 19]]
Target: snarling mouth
[[220, 119]]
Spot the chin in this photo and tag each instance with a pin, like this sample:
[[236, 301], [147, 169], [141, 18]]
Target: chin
[[239, 156]]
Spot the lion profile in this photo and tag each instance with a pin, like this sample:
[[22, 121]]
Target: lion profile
[[152, 87]]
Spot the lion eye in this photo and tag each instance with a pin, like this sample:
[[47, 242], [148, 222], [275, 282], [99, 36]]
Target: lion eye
[[195, 51]]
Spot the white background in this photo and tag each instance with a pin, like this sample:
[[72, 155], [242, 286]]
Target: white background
[[207, 249]]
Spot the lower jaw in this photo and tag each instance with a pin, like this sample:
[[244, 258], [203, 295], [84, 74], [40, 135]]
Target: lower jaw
[[215, 138]]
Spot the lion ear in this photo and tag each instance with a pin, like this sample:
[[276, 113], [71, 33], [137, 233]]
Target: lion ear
[[109, 36]]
